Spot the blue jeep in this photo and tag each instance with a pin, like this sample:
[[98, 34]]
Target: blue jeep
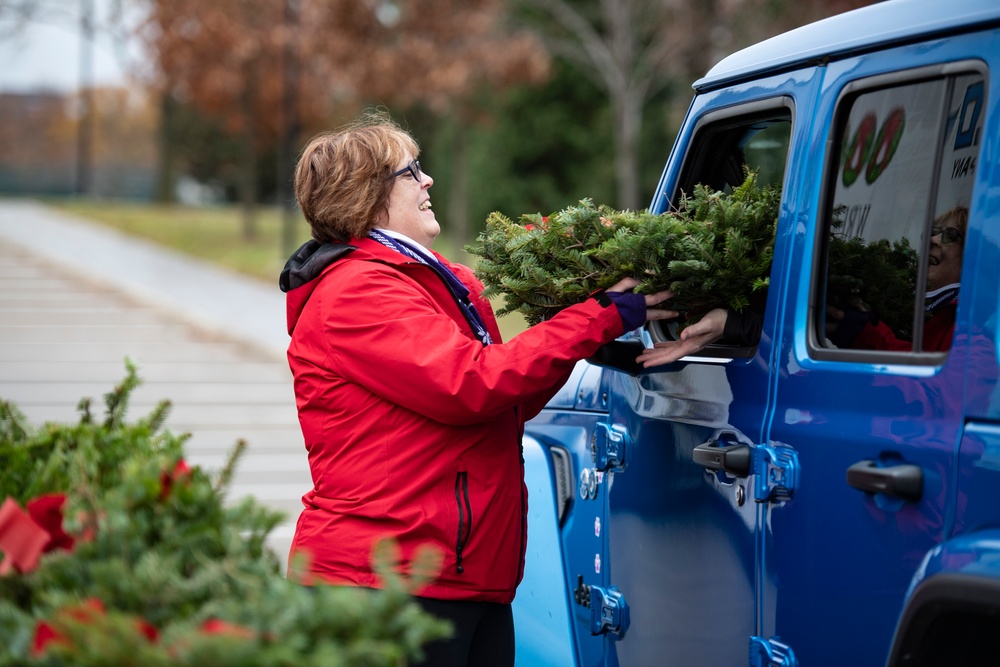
[[803, 500]]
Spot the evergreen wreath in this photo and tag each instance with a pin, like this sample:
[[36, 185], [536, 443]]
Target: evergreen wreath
[[715, 250]]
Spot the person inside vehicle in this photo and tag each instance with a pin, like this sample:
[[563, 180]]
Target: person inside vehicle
[[411, 406], [862, 330]]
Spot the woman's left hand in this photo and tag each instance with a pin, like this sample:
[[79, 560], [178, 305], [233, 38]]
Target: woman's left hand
[[628, 284]]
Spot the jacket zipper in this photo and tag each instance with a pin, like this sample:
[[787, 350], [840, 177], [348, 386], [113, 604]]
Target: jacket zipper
[[464, 517]]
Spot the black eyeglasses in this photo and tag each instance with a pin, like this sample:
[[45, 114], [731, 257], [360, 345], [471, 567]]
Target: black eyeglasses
[[413, 168], [947, 234]]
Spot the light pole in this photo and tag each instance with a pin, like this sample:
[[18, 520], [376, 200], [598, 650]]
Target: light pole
[[85, 119], [289, 129]]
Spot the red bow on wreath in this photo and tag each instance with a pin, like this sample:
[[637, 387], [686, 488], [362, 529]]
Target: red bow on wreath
[[89, 612], [25, 536]]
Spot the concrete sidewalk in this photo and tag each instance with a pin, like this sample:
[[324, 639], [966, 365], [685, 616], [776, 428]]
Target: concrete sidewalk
[[205, 295], [76, 299]]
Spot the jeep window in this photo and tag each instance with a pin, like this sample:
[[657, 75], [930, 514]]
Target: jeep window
[[898, 190], [725, 145], [723, 149]]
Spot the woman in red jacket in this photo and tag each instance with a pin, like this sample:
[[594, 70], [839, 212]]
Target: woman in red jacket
[[411, 407]]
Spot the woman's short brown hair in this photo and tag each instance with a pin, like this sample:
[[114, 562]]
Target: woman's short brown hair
[[958, 216], [342, 180]]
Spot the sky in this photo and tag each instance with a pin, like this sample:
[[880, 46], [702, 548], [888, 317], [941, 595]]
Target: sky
[[45, 54]]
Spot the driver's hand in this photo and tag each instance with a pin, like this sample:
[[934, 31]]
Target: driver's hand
[[693, 339]]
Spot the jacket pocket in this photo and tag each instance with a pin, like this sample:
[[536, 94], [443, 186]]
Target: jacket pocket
[[464, 517]]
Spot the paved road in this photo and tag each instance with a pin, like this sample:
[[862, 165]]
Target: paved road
[[76, 299]]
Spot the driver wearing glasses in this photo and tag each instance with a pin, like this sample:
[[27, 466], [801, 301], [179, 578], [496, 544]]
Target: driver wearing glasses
[[862, 331]]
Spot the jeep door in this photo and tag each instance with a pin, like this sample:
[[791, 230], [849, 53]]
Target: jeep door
[[868, 390], [682, 539]]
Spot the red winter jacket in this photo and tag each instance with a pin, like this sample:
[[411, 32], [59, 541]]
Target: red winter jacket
[[412, 426], [938, 332]]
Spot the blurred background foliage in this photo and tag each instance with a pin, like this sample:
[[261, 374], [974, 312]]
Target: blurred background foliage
[[519, 105]]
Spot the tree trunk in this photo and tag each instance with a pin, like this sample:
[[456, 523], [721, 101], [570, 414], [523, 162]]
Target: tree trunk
[[248, 163], [458, 199], [166, 177], [289, 132], [627, 111], [84, 151], [248, 191]]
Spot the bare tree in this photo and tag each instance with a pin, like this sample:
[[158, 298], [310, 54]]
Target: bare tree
[[633, 49], [16, 14], [626, 47]]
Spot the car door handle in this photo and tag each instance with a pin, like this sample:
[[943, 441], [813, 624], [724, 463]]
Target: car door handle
[[904, 481], [735, 460]]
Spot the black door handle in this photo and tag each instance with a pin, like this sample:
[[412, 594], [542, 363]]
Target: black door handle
[[901, 481], [733, 459]]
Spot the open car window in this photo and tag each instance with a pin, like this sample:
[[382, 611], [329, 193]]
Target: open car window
[[724, 147]]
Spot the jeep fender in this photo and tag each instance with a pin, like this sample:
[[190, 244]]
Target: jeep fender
[[952, 610]]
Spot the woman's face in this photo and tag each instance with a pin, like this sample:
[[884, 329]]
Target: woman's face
[[409, 211], [945, 265]]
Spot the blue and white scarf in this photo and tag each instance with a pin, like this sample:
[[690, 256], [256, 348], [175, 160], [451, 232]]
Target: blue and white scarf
[[939, 298], [459, 291]]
